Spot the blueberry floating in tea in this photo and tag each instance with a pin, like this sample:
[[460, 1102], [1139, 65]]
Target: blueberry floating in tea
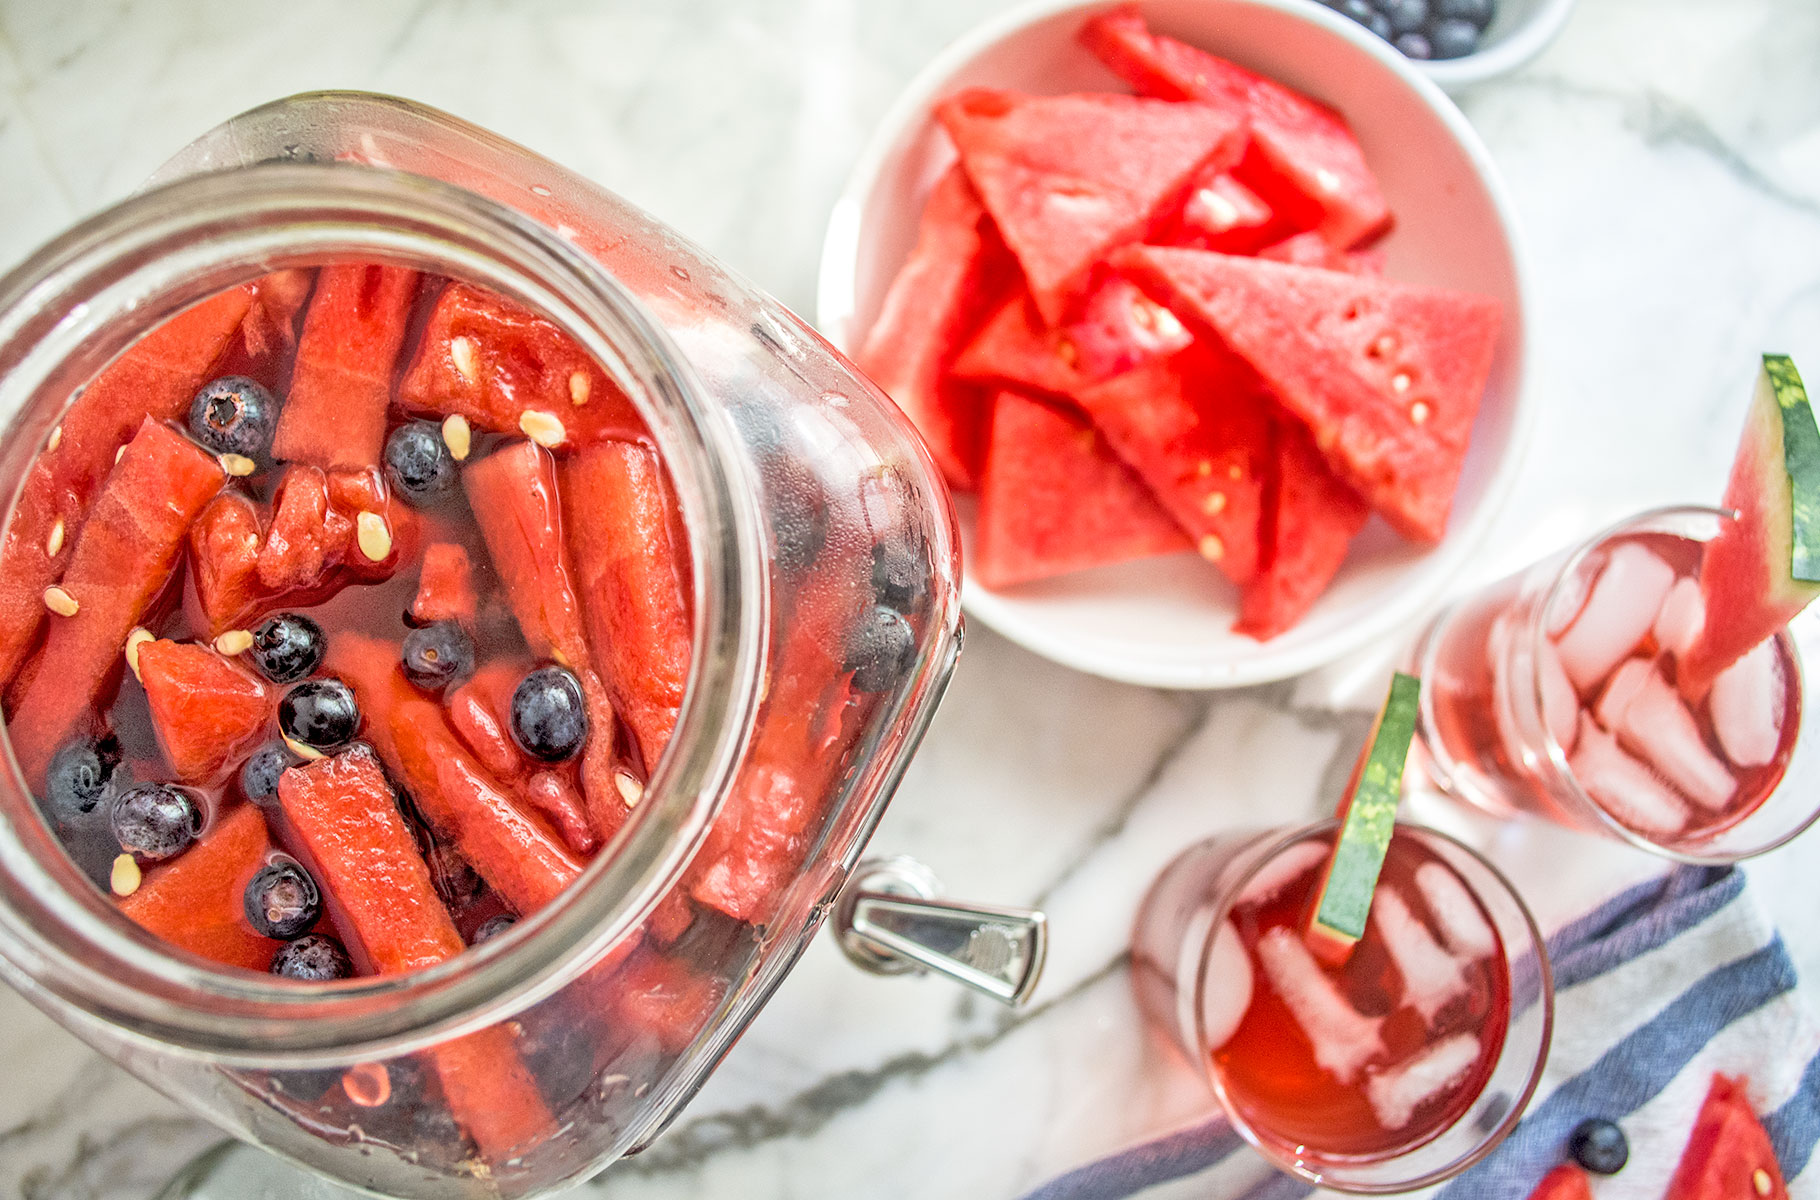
[[282, 901], [287, 646], [319, 713], [312, 958], [155, 820], [235, 415], [438, 655], [549, 717]]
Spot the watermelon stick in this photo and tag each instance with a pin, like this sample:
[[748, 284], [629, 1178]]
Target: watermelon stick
[[1370, 815], [1763, 568]]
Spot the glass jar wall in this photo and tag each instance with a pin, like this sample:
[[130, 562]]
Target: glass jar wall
[[825, 623]]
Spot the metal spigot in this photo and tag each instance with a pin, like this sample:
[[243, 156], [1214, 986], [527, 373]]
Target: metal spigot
[[891, 920]]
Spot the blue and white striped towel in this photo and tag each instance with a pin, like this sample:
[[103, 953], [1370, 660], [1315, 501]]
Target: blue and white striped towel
[[1655, 990]]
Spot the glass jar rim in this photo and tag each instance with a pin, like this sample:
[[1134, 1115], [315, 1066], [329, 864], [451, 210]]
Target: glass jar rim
[[64, 314]]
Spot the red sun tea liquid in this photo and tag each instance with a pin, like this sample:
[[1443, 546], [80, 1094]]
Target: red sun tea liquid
[[1675, 769], [1378, 1055]]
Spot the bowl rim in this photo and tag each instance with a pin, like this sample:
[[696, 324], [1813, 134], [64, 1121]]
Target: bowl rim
[[1513, 50], [835, 304]]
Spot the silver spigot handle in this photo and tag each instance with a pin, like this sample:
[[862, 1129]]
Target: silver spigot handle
[[891, 921]]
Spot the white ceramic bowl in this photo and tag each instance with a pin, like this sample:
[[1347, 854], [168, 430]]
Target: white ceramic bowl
[[1520, 31], [1166, 622]]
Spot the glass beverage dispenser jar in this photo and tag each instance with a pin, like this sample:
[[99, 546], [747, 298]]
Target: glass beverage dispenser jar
[[811, 510]]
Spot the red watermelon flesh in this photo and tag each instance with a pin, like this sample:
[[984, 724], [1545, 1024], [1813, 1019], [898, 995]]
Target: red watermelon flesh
[[157, 377], [1729, 1153], [124, 558], [1746, 579], [341, 385], [208, 713], [515, 498], [224, 546], [1303, 160], [1055, 498], [1070, 178], [345, 818], [932, 306], [1568, 1181], [1223, 214], [445, 585], [1310, 518], [636, 578], [195, 901], [1312, 250], [269, 331], [490, 361], [1387, 376], [1117, 328], [1194, 428]]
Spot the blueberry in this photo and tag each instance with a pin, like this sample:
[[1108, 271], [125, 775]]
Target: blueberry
[[1379, 24], [797, 510], [282, 901], [456, 883], [1599, 1146], [312, 959], [320, 714], [558, 1049], [900, 576], [438, 655], [78, 777], [155, 820], [259, 774], [1405, 16], [492, 927], [1477, 13], [1414, 45], [879, 649], [418, 462], [1358, 10], [549, 721], [287, 646], [234, 415], [1453, 38]]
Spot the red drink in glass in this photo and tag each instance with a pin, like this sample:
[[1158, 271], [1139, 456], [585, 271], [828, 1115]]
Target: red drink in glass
[[1556, 693], [1394, 1069]]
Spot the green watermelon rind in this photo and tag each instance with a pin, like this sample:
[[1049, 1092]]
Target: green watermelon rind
[[1371, 816], [1801, 459]]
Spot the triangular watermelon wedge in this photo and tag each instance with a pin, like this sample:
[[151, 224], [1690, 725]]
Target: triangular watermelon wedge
[[1387, 376], [1310, 518], [932, 306], [1056, 499], [1312, 250], [1302, 155], [209, 714], [1223, 214], [1194, 428], [1069, 178], [1728, 1153], [1763, 568], [1118, 327]]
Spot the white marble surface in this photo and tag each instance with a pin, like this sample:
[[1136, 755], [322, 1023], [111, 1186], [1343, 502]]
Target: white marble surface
[[1664, 156]]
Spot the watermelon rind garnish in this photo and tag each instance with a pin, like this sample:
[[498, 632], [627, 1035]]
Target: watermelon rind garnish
[[1801, 458], [1763, 567], [1371, 816]]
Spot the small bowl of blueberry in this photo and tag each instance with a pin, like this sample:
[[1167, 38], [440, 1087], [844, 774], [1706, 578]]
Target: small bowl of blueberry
[[1461, 42]]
